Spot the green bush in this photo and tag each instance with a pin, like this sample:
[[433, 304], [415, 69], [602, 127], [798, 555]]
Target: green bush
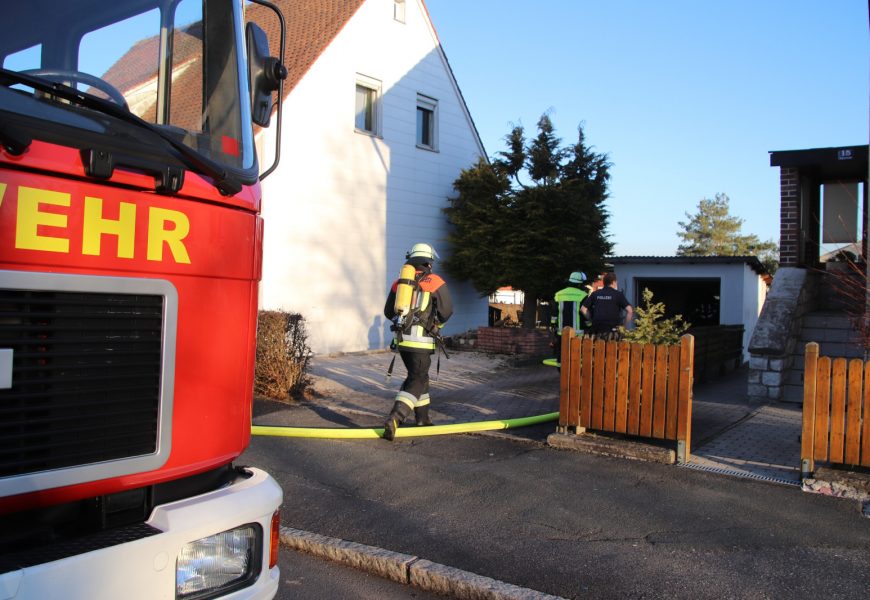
[[283, 355], [650, 326]]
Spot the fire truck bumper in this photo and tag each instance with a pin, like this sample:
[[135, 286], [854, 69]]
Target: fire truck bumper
[[215, 545]]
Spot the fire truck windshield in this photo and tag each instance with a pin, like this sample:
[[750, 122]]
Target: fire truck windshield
[[176, 65]]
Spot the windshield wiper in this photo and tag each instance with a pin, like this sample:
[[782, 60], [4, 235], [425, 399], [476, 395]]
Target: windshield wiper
[[223, 180]]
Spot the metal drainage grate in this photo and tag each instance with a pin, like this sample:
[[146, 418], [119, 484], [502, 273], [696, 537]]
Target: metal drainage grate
[[741, 474]]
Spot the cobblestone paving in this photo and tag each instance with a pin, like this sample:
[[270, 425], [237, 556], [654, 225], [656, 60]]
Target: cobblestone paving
[[766, 444], [471, 386], [729, 434]]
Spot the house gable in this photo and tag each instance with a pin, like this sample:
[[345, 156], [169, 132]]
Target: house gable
[[345, 205]]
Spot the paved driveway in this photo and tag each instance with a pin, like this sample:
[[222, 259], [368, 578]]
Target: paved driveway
[[730, 435]]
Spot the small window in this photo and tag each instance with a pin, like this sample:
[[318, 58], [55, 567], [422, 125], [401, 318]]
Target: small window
[[29, 58], [427, 122], [367, 105], [365, 108], [399, 10]]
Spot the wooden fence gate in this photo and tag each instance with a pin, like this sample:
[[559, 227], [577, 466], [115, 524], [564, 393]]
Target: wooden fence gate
[[642, 390], [836, 395]]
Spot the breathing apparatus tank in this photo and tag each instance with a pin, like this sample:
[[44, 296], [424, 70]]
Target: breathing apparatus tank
[[405, 288], [407, 299]]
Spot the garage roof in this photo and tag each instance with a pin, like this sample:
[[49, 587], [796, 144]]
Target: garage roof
[[752, 261]]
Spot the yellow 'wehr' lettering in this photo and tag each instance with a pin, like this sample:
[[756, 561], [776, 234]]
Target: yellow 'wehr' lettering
[[158, 234], [95, 226], [30, 218], [169, 227]]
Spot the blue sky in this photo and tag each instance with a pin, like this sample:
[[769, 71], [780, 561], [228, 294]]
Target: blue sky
[[687, 97]]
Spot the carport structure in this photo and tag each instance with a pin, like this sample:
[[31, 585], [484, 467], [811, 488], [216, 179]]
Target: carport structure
[[823, 199]]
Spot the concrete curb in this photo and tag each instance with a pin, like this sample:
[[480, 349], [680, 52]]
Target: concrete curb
[[605, 446], [442, 579], [405, 568], [383, 563]]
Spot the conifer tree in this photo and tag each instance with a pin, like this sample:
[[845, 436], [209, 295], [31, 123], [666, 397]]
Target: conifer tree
[[712, 231], [530, 217], [478, 214]]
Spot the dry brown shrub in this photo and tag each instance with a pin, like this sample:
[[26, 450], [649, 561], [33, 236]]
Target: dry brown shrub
[[283, 355]]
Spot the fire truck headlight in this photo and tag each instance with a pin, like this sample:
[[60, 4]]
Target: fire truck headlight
[[221, 563]]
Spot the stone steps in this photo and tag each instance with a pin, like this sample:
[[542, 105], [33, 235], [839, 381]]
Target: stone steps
[[839, 288], [793, 393], [834, 333]]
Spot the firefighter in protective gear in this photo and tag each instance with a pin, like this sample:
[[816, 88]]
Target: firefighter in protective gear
[[416, 334], [568, 301]]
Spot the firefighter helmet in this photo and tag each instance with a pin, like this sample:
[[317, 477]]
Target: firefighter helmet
[[421, 253], [577, 277]]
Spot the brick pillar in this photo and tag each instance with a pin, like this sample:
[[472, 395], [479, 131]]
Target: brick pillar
[[789, 216]]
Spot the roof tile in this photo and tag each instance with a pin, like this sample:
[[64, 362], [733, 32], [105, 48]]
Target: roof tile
[[311, 27]]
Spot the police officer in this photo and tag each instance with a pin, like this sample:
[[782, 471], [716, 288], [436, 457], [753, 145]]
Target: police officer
[[415, 337], [604, 308], [568, 301]]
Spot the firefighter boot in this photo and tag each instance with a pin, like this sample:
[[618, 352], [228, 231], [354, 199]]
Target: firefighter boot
[[396, 418], [390, 426], [421, 416]]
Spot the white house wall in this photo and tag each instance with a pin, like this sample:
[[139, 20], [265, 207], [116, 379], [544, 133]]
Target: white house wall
[[754, 295], [741, 290], [342, 208]]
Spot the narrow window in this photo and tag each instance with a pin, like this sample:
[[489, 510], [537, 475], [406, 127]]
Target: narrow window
[[367, 106], [427, 124], [399, 10]]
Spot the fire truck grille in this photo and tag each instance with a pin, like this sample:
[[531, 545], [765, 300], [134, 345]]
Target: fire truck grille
[[85, 378]]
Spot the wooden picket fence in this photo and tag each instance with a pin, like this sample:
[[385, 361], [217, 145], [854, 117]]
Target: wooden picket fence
[[642, 390], [836, 395]]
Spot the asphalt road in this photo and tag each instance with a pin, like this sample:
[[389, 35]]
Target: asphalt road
[[304, 577], [571, 524]]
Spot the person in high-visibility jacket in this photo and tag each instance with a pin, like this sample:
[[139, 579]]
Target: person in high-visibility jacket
[[416, 332], [568, 301]]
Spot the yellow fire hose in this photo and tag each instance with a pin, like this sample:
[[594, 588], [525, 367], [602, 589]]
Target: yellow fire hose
[[411, 431]]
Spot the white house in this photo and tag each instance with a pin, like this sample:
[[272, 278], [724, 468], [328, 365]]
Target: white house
[[375, 131], [705, 290]]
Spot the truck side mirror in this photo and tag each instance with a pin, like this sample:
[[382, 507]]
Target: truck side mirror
[[265, 74]]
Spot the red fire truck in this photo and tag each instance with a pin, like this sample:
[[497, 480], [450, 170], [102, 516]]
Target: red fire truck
[[130, 256]]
